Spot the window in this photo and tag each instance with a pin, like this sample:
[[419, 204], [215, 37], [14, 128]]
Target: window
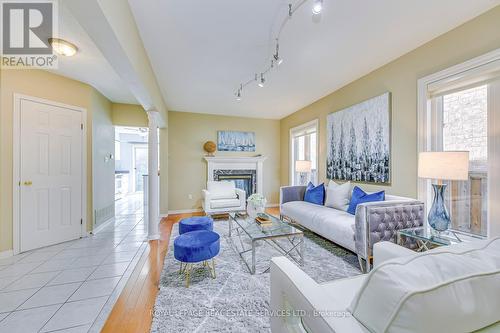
[[465, 127], [304, 154], [459, 111]]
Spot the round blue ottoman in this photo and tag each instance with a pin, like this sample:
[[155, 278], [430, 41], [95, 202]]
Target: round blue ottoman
[[196, 246], [196, 223]]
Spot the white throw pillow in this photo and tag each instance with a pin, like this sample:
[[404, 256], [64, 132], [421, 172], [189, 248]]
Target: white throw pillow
[[221, 189], [338, 195]]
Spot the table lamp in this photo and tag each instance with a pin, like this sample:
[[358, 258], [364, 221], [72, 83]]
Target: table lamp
[[303, 167], [450, 165]]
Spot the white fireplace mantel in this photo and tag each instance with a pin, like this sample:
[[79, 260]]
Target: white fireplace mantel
[[237, 163]]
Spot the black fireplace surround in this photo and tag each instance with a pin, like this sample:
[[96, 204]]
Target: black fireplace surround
[[243, 179]]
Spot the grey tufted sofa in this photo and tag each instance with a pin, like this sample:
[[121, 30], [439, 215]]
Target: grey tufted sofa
[[372, 223]]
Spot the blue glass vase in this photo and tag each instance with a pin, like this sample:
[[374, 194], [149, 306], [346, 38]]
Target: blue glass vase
[[439, 219]]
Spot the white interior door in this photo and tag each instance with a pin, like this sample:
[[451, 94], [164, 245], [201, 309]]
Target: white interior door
[[50, 174]]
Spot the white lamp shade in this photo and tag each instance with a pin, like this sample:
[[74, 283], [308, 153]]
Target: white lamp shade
[[303, 166], [450, 165]]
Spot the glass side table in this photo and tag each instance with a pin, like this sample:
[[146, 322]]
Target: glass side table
[[426, 238]]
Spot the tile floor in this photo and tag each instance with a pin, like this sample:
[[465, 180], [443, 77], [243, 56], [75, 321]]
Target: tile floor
[[72, 287]]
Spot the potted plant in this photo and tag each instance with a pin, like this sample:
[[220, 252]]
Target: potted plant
[[256, 204]]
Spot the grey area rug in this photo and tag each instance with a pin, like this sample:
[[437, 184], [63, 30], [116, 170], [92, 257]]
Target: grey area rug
[[236, 301]]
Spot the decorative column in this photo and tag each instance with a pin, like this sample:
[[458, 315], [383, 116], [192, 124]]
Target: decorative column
[[153, 177]]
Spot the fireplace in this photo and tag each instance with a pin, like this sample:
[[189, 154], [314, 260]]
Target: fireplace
[[243, 179], [246, 171]]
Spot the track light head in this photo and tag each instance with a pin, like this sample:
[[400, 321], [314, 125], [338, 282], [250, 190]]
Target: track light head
[[277, 60], [276, 55], [317, 7], [262, 81], [238, 93]]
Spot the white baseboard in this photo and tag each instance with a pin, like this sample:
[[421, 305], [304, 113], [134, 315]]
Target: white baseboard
[[6, 254], [185, 211], [102, 226], [163, 215], [272, 205]]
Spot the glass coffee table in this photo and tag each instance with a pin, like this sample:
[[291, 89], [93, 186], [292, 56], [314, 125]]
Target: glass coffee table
[[243, 227], [427, 238]]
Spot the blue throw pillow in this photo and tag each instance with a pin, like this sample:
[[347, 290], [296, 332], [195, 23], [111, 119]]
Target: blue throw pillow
[[360, 196], [315, 195]]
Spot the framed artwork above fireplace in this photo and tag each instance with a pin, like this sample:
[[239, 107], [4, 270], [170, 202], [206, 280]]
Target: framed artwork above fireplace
[[235, 141]]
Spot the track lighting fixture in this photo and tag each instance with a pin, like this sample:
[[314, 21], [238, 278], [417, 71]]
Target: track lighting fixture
[[262, 81], [317, 7], [276, 60]]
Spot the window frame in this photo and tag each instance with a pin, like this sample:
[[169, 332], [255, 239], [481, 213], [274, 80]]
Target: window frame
[[427, 133], [292, 135]]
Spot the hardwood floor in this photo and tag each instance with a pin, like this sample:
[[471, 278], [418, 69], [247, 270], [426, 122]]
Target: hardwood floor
[[132, 312]]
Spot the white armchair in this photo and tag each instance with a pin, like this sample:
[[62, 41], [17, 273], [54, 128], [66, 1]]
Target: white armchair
[[405, 292], [223, 197]]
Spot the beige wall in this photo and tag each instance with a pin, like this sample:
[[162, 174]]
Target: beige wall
[[103, 144], [187, 168], [400, 77], [129, 115], [49, 86]]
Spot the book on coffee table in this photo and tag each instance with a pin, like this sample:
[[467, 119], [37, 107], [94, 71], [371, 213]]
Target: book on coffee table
[[263, 219]]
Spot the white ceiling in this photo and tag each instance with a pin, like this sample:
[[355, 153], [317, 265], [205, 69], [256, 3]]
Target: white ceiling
[[89, 65], [201, 50]]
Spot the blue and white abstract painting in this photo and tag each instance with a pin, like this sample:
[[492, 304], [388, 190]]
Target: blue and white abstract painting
[[235, 141], [358, 142]]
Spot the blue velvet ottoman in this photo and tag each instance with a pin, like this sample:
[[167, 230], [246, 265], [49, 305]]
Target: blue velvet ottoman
[[194, 247], [196, 223]]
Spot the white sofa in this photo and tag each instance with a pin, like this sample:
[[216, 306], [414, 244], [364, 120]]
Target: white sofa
[[448, 289], [223, 197], [373, 221]]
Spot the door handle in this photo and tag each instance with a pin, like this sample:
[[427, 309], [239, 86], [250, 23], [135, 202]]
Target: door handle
[[28, 183]]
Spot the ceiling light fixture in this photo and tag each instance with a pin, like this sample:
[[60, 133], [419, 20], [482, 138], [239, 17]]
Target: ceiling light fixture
[[275, 58], [262, 81], [317, 7], [238, 94], [62, 47]]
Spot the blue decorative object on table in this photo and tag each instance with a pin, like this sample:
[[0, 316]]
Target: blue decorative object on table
[[439, 219], [450, 165], [195, 247], [359, 196], [315, 194], [196, 223]]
